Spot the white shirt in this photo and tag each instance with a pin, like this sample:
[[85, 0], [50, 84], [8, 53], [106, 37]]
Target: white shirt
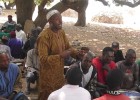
[[21, 35], [87, 76], [70, 92], [32, 61]]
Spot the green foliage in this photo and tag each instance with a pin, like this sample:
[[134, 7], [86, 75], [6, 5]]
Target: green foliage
[[37, 2], [10, 1]]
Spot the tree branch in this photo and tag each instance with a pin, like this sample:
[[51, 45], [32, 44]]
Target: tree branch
[[104, 2], [42, 5], [60, 7], [41, 18], [130, 4]]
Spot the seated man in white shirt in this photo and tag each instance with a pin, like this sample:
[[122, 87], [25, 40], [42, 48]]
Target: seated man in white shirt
[[20, 34], [71, 91], [89, 78], [32, 65]]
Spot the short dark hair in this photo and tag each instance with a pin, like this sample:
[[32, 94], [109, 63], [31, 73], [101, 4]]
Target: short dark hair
[[115, 44], [106, 50], [130, 51], [114, 79], [9, 15], [74, 76], [85, 48]]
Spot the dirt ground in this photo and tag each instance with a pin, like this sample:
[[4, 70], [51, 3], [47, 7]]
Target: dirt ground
[[97, 36]]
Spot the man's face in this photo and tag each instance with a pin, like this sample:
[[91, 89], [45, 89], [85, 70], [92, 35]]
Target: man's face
[[82, 53], [115, 49], [85, 64], [56, 21], [9, 18], [4, 61], [130, 58], [17, 28], [108, 57]]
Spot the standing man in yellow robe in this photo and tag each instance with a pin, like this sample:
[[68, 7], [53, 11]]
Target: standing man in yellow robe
[[53, 47]]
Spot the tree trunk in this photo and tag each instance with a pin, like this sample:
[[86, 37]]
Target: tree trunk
[[41, 18], [24, 10], [81, 19], [80, 7], [6, 6]]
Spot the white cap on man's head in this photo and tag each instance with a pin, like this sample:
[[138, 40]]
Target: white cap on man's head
[[51, 13]]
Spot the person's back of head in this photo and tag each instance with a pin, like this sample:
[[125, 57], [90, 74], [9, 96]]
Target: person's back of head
[[74, 76], [114, 79], [34, 32], [39, 29]]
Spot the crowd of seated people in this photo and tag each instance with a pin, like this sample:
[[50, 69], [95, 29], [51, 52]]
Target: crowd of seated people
[[14, 37], [95, 71], [87, 77], [113, 77], [13, 41]]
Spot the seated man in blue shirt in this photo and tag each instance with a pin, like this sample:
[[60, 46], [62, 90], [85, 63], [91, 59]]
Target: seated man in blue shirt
[[10, 84]]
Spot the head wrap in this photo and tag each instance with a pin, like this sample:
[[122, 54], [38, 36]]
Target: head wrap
[[12, 34], [51, 13]]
